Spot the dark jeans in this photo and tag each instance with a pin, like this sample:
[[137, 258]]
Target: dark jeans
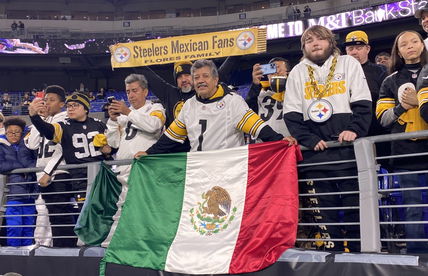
[[60, 186], [335, 216]]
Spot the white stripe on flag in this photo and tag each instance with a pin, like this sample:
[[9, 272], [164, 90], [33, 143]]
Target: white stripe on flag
[[190, 251]]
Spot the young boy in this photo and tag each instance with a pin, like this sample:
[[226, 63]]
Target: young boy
[[14, 155]]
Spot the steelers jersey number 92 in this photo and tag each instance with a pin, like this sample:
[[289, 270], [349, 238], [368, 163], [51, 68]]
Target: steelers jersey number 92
[[84, 144]]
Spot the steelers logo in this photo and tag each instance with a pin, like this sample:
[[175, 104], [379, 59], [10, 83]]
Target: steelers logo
[[245, 40], [338, 77], [122, 54], [220, 105], [177, 108], [320, 111]]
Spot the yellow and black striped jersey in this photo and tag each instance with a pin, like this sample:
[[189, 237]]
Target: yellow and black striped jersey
[[392, 115], [216, 123], [270, 110], [76, 139]]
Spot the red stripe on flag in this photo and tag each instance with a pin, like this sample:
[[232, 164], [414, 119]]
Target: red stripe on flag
[[269, 221]]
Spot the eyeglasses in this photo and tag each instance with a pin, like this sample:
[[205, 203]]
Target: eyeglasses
[[72, 105], [13, 133]]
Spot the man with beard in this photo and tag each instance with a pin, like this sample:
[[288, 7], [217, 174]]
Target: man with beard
[[328, 99], [422, 15], [173, 97]]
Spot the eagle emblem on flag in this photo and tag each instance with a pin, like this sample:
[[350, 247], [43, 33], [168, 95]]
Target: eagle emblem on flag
[[214, 213]]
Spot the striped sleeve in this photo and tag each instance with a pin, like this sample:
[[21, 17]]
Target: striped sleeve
[[58, 133], [383, 105], [159, 114], [423, 96], [177, 131], [251, 123], [423, 103]]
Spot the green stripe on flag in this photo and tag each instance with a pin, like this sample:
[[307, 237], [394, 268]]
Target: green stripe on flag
[[96, 218], [155, 199]]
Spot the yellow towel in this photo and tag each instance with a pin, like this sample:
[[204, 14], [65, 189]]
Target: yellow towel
[[100, 140], [413, 121]]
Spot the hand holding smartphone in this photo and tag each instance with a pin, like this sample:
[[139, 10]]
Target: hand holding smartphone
[[110, 99], [40, 94], [269, 68]]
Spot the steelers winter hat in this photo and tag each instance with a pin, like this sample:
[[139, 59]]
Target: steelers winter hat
[[356, 38], [56, 89], [79, 98], [277, 83], [181, 67]]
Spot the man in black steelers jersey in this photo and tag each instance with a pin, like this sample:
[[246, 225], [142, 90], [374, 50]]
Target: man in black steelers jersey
[[357, 45], [76, 135], [173, 97]]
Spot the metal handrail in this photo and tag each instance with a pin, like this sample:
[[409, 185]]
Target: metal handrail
[[369, 192]]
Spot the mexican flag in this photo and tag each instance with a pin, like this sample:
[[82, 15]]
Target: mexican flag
[[213, 212], [96, 218]]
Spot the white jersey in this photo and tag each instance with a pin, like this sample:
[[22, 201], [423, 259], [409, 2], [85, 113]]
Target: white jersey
[[426, 43], [347, 86], [49, 154], [137, 131], [215, 124], [270, 110]]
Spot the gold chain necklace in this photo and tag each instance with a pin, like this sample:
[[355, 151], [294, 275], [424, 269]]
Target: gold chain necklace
[[327, 85]]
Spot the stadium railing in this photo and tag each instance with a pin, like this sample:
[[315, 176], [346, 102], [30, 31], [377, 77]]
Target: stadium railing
[[370, 191]]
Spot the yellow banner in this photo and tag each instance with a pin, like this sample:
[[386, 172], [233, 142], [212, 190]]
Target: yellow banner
[[189, 47]]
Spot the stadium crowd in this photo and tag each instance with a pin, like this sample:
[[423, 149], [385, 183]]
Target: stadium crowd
[[325, 97]]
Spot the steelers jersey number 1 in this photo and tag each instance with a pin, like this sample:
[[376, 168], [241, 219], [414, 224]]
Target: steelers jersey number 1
[[203, 124]]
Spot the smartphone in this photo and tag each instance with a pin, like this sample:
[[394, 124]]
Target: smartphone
[[110, 99], [40, 94], [269, 68]]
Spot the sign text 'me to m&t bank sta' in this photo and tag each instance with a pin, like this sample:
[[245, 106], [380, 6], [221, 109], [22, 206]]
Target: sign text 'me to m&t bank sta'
[[348, 19]]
